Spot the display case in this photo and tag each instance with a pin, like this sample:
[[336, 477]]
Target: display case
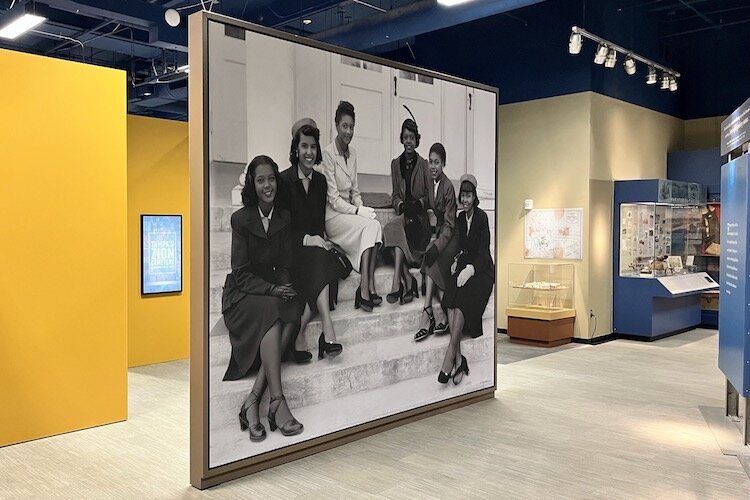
[[658, 239], [541, 286], [540, 303]]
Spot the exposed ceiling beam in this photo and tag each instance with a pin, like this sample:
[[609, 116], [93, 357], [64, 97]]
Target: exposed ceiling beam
[[136, 14]]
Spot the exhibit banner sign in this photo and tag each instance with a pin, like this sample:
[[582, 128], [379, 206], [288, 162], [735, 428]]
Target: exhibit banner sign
[[327, 304], [735, 129], [161, 254], [734, 342]]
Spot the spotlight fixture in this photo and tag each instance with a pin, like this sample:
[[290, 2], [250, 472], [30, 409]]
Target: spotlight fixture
[[306, 21], [611, 59], [172, 17], [606, 54], [575, 43], [629, 65], [664, 81], [601, 54], [21, 25]]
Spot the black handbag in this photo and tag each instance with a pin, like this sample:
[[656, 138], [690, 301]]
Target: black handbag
[[345, 267]]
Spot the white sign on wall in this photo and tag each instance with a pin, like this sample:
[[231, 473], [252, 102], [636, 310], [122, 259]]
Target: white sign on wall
[[554, 233]]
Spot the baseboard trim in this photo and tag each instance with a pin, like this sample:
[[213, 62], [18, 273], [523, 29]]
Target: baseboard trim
[[629, 336], [504, 331]]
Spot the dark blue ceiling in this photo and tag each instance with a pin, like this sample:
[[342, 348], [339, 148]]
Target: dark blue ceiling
[[519, 46]]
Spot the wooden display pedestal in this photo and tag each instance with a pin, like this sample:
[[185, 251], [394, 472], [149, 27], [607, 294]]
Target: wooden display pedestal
[[545, 328]]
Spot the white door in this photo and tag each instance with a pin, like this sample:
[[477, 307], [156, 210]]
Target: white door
[[422, 95], [454, 130], [481, 154], [367, 86]]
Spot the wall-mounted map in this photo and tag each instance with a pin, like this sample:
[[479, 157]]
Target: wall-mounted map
[[554, 233]]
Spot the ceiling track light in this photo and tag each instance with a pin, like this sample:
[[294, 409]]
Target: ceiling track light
[[575, 43], [629, 65], [601, 54], [611, 59], [606, 54], [664, 81]]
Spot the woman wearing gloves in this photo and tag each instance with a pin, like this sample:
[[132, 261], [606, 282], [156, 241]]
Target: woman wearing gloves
[[438, 258], [349, 224], [260, 307], [408, 234], [472, 278]]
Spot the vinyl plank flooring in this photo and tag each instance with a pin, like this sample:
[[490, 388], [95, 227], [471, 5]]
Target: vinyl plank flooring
[[618, 420]]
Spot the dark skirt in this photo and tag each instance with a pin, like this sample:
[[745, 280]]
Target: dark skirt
[[248, 321], [394, 235], [440, 270], [313, 269], [471, 299]]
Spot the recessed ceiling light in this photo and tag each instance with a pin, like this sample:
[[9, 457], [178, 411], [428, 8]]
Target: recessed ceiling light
[[306, 21], [21, 25], [451, 3]]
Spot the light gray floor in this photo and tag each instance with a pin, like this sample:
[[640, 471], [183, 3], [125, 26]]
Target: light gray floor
[[619, 420]]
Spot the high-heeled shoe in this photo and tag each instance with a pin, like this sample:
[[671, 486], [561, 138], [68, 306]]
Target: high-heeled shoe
[[444, 377], [329, 348], [289, 428], [397, 296], [301, 357], [362, 303], [257, 431], [375, 299], [423, 333], [462, 369]]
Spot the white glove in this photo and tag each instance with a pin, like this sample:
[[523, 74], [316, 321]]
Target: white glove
[[464, 275], [317, 241], [366, 212]]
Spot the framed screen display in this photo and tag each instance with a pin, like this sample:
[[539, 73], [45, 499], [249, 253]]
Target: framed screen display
[[161, 254]]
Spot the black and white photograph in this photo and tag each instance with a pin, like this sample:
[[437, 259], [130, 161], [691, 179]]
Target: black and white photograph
[[351, 241]]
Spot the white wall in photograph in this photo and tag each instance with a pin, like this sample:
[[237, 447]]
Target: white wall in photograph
[[258, 87]]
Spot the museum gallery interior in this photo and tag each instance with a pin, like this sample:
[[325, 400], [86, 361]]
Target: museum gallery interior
[[375, 249]]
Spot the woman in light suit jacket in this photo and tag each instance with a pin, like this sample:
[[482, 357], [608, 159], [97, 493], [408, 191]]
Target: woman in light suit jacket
[[350, 224], [436, 267]]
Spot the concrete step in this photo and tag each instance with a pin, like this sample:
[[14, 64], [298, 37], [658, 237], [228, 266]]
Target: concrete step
[[220, 217], [229, 444], [347, 287], [356, 326], [360, 367]]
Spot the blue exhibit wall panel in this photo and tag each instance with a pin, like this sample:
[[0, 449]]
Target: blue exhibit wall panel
[[734, 335], [702, 166]]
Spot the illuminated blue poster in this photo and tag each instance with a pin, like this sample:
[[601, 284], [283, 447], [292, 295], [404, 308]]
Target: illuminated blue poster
[[161, 254]]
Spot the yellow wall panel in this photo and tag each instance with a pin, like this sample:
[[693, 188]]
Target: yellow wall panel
[[158, 181], [63, 195]]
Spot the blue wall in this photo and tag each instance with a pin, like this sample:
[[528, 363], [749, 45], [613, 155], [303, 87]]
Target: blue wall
[[525, 55]]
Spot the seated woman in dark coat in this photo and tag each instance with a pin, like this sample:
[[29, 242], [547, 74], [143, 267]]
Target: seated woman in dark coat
[[260, 307], [408, 234], [441, 199], [472, 278], [303, 192]]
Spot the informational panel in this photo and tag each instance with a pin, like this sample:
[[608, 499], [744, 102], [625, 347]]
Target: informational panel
[[262, 292], [555, 233], [734, 340], [161, 254], [686, 283], [735, 129]]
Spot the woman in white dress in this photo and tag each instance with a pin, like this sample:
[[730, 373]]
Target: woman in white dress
[[350, 224]]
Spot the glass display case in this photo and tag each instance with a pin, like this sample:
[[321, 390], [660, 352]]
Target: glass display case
[[658, 239], [541, 286]]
